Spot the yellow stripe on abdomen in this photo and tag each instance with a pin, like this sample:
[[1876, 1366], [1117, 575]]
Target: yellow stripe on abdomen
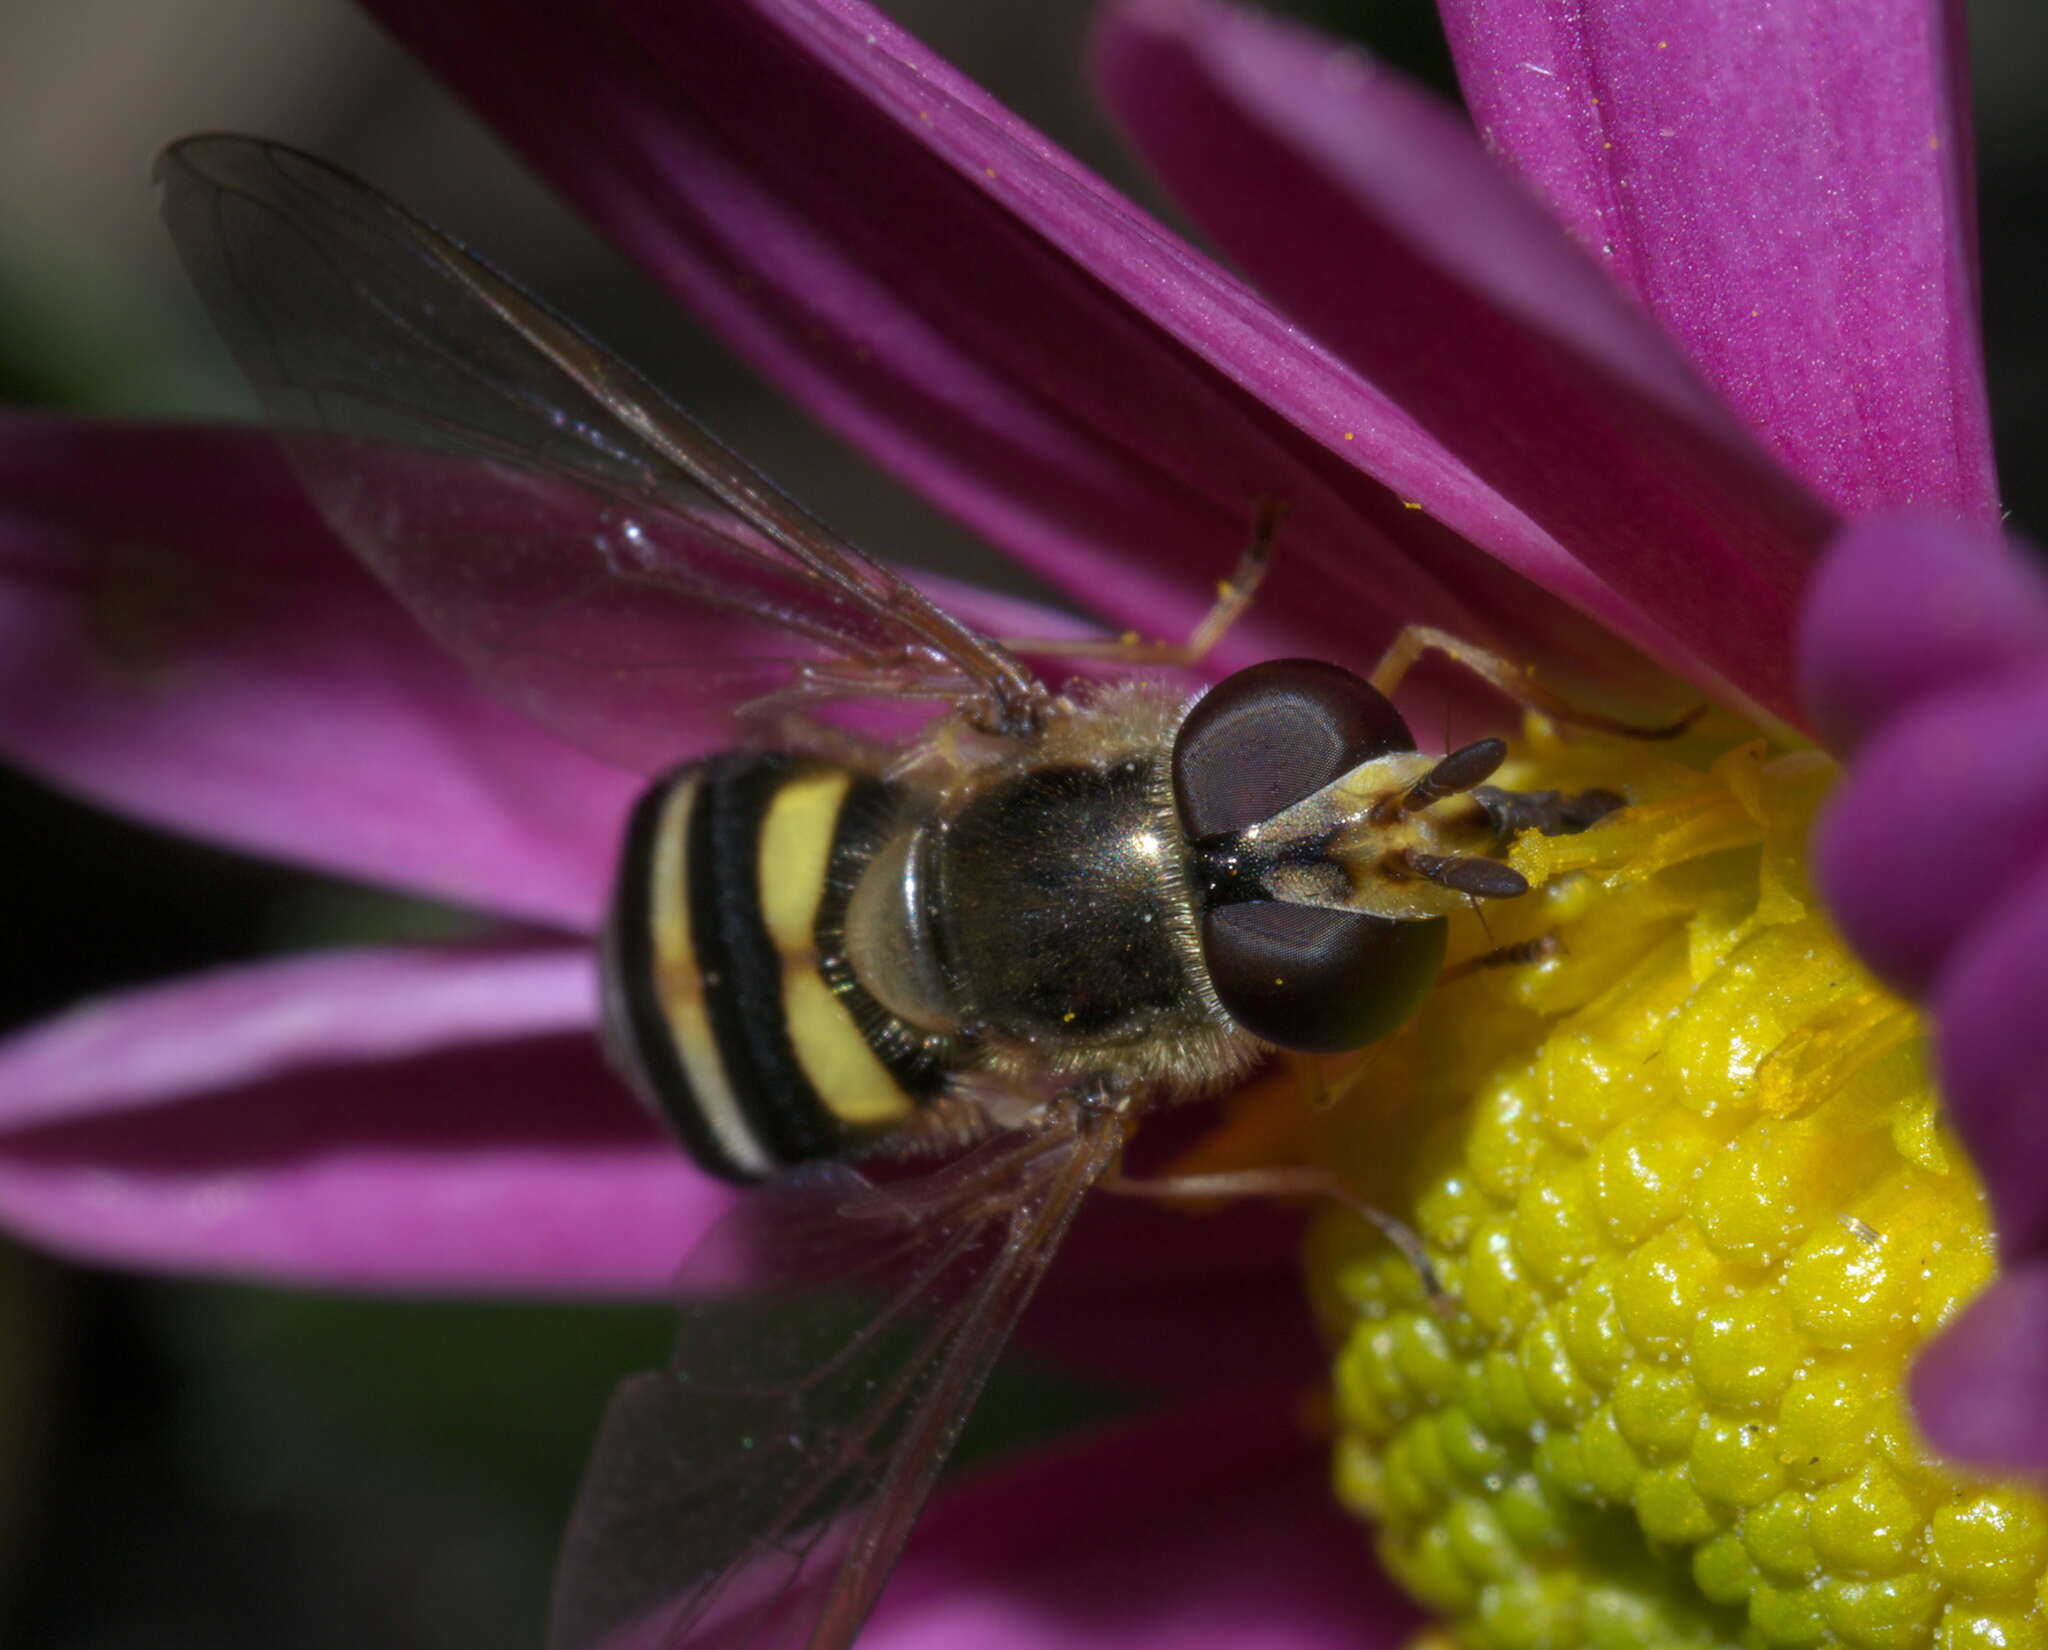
[[679, 982], [797, 836]]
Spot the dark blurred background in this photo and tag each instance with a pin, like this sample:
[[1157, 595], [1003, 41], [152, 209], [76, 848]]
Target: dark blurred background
[[226, 1466]]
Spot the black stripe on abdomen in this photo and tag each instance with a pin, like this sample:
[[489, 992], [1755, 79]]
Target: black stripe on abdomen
[[742, 966]]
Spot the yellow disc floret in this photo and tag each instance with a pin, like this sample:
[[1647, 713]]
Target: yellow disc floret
[[1692, 1209]]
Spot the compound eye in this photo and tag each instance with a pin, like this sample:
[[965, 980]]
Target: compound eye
[[1317, 980], [1263, 739]]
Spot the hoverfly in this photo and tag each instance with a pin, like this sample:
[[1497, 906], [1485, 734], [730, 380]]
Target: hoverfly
[[995, 940]]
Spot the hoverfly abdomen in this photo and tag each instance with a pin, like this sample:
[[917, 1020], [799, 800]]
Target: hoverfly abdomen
[[731, 999]]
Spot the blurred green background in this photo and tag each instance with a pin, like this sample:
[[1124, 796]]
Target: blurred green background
[[225, 1466]]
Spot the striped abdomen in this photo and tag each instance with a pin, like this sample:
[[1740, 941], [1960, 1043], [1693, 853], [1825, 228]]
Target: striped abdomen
[[730, 1001]]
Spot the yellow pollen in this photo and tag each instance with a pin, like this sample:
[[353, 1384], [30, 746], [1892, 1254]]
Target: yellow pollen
[[1687, 1189]]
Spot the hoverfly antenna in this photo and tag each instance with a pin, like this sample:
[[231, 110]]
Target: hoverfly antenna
[[1478, 878], [1462, 770]]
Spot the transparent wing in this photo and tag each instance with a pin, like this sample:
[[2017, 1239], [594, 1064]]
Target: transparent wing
[[578, 539], [755, 1495]]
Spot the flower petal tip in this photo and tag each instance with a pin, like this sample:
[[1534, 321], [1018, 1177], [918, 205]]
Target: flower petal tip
[[1905, 605], [1992, 1046], [1939, 825], [1977, 1388]]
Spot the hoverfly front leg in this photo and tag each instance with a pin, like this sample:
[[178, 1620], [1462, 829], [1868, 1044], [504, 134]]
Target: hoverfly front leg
[[1508, 679], [1234, 597], [1522, 954], [1499, 813], [1548, 813]]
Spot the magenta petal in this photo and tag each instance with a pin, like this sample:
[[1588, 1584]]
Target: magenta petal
[[181, 638], [931, 276], [236, 1026], [1977, 1387], [1972, 765], [1374, 216], [428, 1120], [1788, 190], [1142, 1286], [1211, 1528], [1908, 605], [1992, 1043]]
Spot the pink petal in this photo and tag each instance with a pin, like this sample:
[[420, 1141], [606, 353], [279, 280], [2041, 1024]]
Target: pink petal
[[1374, 216], [1143, 1285], [192, 645], [441, 1120], [1908, 606], [1977, 1388], [1944, 814], [234, 1027], [1788, 190], [181, 639], [1212, 1526], [1992, 1042], [414, 1121], [993, 323]]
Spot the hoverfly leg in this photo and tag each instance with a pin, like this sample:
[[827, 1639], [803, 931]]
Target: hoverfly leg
[[1510, 680], [1315, 1086], [1522, 954], [1234, 597], [1235, 594], [1548, 813], [1289, 1181]]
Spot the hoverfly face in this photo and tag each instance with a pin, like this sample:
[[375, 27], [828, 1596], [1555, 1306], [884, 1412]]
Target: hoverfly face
[[997, 942], [1299, 976]]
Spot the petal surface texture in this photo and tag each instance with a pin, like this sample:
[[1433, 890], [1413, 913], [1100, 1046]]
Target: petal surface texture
[[1788, 190], [418, 1120], [439, 1119], [989, 320], [180, 638], [1207, 1528], [1327, 177]]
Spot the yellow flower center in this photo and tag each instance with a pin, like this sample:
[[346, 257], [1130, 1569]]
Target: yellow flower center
[[1692, 1209]]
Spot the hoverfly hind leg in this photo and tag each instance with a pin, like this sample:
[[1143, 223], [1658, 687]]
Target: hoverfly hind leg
[[1291, 1181]]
